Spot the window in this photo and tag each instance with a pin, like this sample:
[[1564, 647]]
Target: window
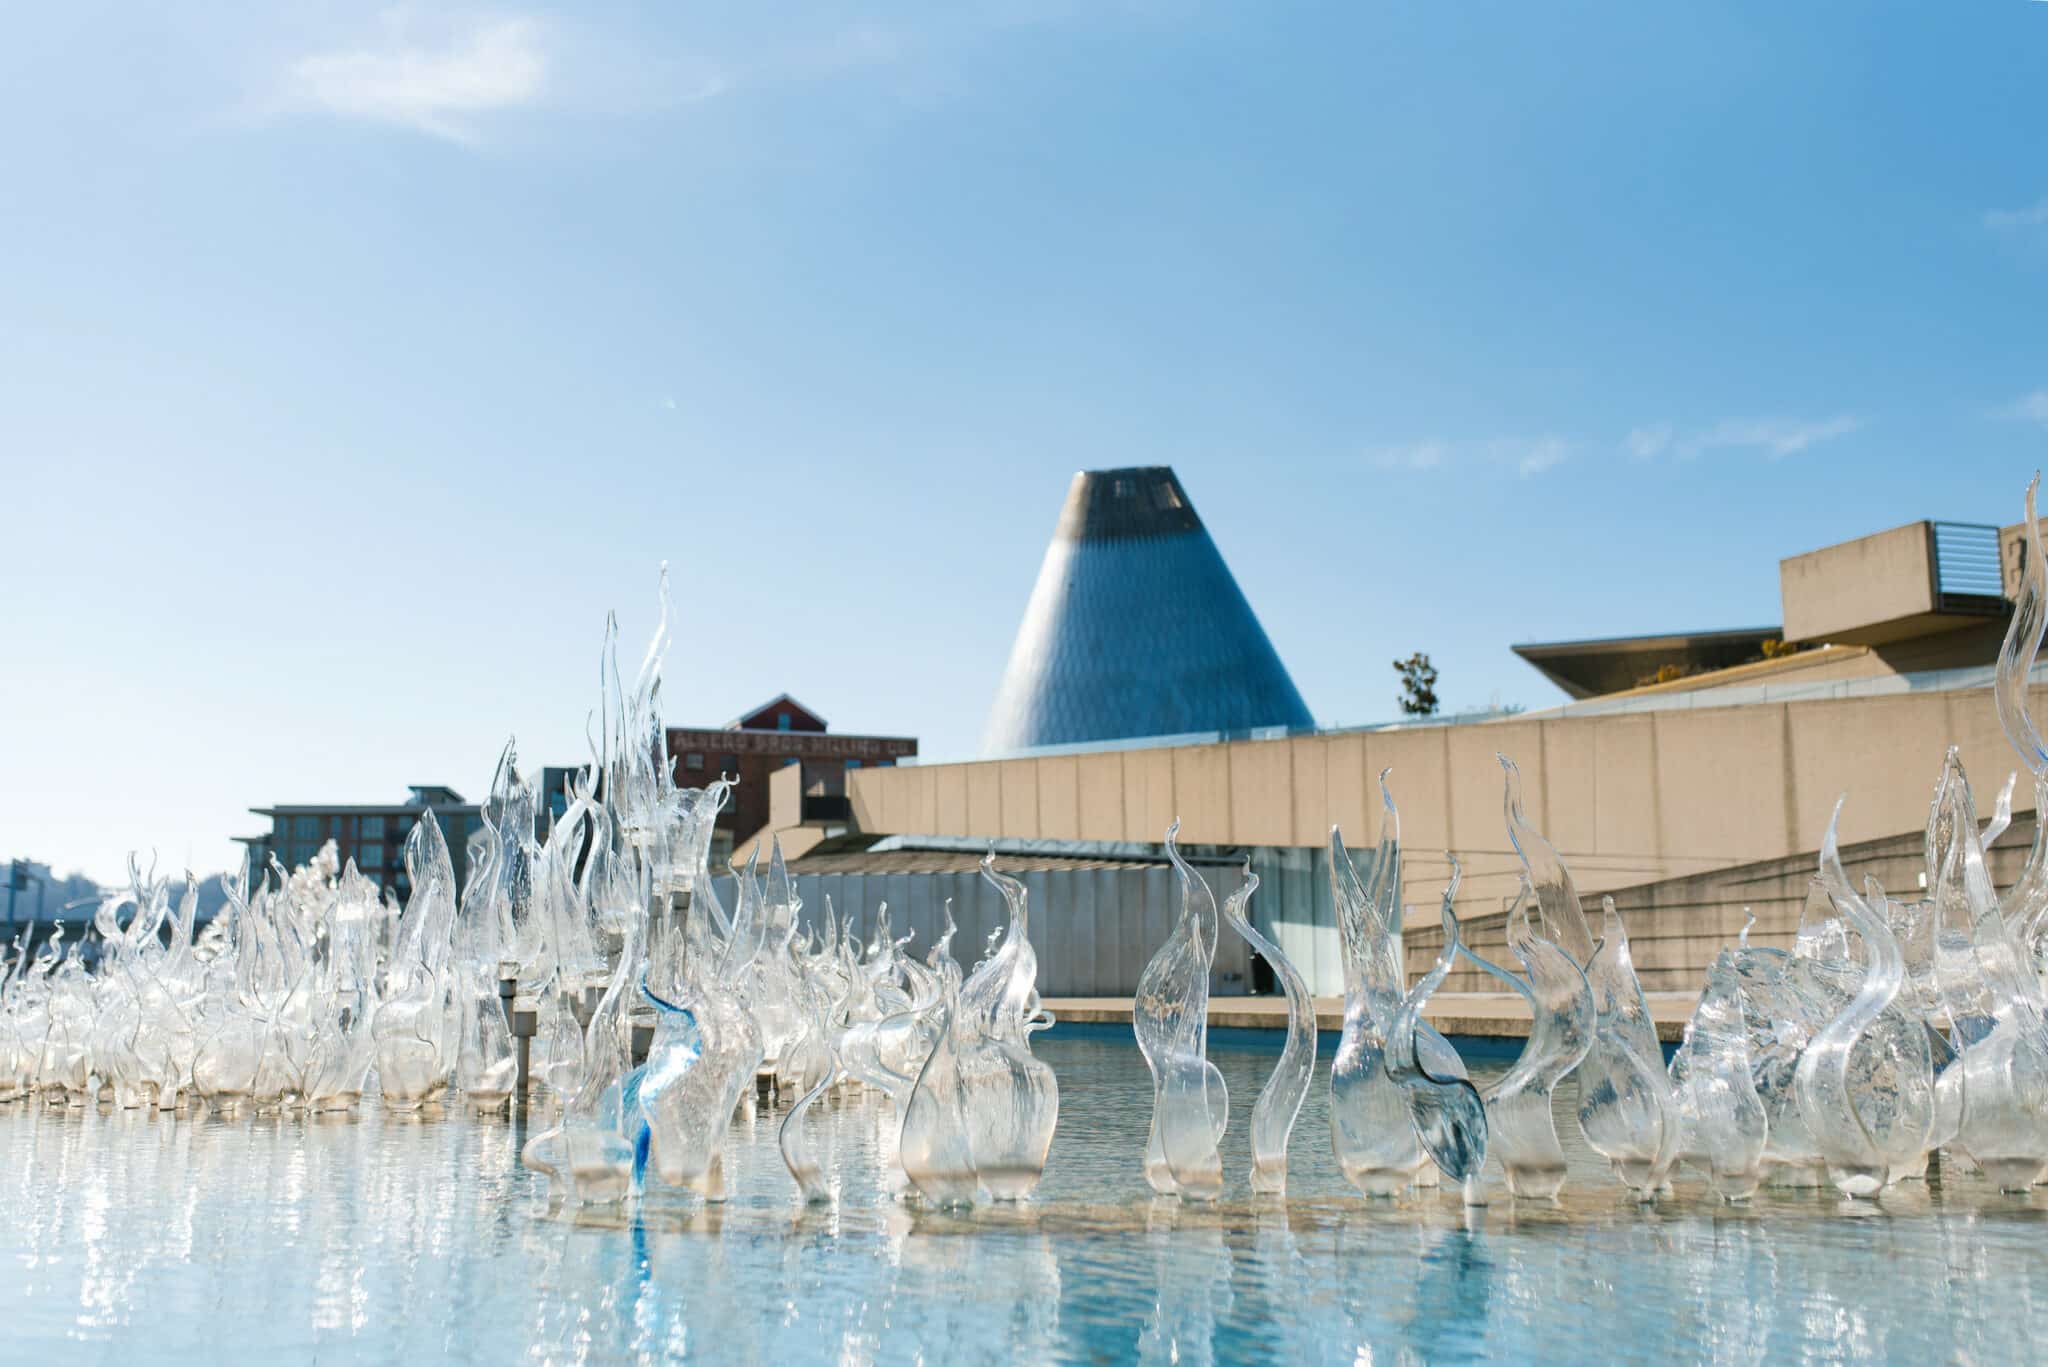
[[694, 761], [853, 764], [369, 857], [373, 828], [458, 830], [789, 761], [782, 721], [306, 827], [729, 764]]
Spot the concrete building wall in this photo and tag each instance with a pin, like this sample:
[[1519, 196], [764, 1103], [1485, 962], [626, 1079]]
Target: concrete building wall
[[1855, 591], [1629, 798]]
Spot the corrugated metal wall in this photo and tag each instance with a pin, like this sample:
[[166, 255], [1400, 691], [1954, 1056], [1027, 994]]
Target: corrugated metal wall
[[1093, 929], [1293, 906]]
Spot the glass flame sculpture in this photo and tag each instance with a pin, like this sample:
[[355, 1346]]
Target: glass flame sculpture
[[1731, 1128], [1170, 1016], [981, 1116], [1449, 1117], [414, 1057], [1778, 1021], [707, 1046], [1627, 1108], [1371, 1133], [1521, 1127], [1866, 1080], [1279, 1103], [1999, 1076]]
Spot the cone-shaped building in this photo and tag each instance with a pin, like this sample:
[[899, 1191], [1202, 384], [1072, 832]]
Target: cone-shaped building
[[1136, 628]]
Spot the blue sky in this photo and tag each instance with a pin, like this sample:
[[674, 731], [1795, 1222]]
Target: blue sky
[[355, 360]]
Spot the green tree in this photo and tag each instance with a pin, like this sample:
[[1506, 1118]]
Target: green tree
[[1418, 685]]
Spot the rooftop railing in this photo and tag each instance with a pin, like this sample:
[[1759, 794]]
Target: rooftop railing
[[1967, 576]]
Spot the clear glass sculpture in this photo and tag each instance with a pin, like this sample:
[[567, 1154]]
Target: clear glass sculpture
[[2026, 903], [346, 1050], [1778, 1018], [486, 1062], [1995, 1005], [1627, 1107], [1866, 1083], [1170, 1016], [935, 1143], [981, 1116], [1370, 1131], [414, 1059], [706, 1046], [1449, 1117], [1731, 1128], [590, 1154], [1279, 1103], [1012, 1098], [2022, 645], [1559, 916], [796, 1150], [230, 1051], [1521, 1124]]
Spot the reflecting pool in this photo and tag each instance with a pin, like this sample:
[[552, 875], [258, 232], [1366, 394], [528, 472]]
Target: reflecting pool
[[368, 1238]]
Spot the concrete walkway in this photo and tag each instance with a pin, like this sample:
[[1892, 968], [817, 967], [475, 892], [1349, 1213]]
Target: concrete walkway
[[1498, 1015]]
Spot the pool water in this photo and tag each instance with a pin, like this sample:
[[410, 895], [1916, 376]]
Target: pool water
[[374, 1239]]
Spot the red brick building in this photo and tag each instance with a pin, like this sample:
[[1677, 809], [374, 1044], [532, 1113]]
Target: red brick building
[[751, 747]]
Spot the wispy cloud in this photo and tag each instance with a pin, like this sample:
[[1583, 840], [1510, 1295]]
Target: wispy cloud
[[1544, 453], [1648, 443], [1775, 437], [1421, 455], [2035, 215], [436, 84], [1527, 456], [2027, 408]]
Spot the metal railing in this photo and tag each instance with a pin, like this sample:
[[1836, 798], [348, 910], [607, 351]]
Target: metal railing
[[1967, 575]]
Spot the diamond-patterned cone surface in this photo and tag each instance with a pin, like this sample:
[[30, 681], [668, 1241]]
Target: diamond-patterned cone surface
[[1136, 628]]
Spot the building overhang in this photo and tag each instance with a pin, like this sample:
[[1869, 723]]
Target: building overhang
[[1917, 580], [1590, 669]]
